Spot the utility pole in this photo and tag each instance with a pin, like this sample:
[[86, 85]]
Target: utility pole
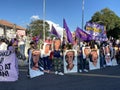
[[44, 7], [82, 14]]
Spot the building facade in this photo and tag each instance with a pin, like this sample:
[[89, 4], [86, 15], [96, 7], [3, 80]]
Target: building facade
[[10, 30]]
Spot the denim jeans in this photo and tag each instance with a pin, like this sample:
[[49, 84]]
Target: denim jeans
[[102, 61], [22, 51], [22, 48], [82, 63], [46, 61]]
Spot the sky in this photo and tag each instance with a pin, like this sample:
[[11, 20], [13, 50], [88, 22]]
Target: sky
[[21, 12]]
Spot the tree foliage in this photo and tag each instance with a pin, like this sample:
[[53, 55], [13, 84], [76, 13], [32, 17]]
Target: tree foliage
[[36, 28], [109, 19]]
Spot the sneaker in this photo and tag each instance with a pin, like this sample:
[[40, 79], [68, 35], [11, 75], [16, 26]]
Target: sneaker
[[56, 72], [85, 70], [60, 73], [80, 70]]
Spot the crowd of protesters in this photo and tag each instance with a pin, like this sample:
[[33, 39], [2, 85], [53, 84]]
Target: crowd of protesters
[[52, 59], [16, 44]]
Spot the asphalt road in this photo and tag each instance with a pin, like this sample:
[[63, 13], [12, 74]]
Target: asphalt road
[[103, 79]]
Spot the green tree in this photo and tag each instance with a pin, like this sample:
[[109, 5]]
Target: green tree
[[109, 19], [36, 28]]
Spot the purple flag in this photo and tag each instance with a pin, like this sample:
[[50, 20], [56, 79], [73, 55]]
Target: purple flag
[[95, 30], [68, 33], [53, 31], [82, 34]]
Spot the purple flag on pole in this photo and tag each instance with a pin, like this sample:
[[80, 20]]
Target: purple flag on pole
[[53, 31], [95, 30], [82, 34], [68, 33]]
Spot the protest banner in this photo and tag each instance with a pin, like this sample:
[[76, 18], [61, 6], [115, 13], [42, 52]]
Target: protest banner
[[70, 61], [97, 31], [35, 68], [8, 66], [94, 62]]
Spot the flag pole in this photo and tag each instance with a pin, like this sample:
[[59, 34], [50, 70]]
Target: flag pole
[[44, 7], [82, 14]]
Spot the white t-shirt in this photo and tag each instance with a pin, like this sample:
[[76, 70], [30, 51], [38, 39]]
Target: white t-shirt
[[21, 41], [3, 46]]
